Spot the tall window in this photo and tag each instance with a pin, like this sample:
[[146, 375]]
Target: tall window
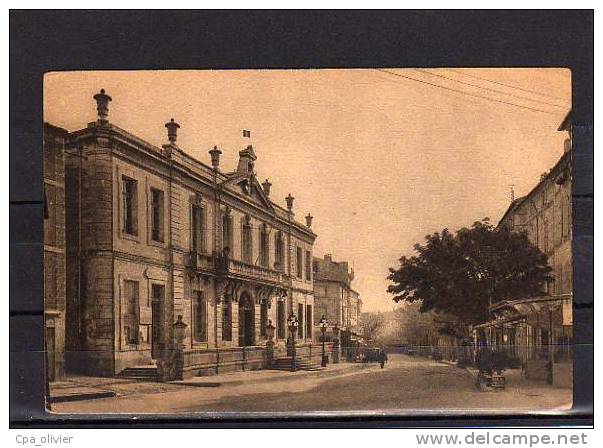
[[309, 321], [157, 202], [281, 325], [226, 230], [278, 251], [247, 243], [264, 246], [300, 317], [199, 316], [299, 261], [50, 214], [263, 317], [198, 228], [130, 206], [226, 319], [308, 266], [131, 314]]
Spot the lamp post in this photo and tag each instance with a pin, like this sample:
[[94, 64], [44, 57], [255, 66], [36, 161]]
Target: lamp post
[[323, 329], [270, 343], [179, 332], [292, 323]]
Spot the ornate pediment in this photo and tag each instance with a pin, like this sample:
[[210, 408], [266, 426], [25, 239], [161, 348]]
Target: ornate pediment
[[248, 187]]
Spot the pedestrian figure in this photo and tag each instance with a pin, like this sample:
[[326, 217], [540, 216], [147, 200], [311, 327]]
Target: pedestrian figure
[[382, 357]]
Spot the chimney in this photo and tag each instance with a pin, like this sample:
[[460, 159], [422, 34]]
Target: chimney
[[266, 186], [172, 128], [309, 219], [247, 160], [215, 157], [289, 199], [102, 106]]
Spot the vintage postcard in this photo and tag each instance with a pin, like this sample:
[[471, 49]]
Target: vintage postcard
[[386, 241]]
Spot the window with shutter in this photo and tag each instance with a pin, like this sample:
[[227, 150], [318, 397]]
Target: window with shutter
[[129, 206], [198, 228], [309, 321], [264, 246], [300, 318], [278, 251], [299, 261], [131, 314], [157, 215], [199, 316], [247, 240]]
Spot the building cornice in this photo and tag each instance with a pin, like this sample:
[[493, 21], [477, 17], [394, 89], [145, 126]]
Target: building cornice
[[204, 174]]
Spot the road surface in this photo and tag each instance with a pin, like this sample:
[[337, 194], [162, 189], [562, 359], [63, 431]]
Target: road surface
[[407, 385]]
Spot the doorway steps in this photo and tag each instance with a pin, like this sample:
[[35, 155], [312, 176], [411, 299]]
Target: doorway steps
[[285, 363], [142, 373]]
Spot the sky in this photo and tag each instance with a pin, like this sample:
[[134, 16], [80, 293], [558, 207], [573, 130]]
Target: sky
[[380, 158]]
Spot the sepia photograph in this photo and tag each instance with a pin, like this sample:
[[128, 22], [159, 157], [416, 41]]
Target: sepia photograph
[[379, 241]]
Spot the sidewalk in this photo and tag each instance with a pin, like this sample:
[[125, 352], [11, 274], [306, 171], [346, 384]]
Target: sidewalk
[[78, 388], [62, 391], [516, 382], [261, 376]]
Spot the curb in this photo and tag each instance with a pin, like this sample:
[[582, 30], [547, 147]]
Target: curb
[[322, 373], [80, 397]]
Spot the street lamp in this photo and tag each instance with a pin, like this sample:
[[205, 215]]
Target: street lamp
[[323, 329], [292, 323], [179, 333], [269, 342]]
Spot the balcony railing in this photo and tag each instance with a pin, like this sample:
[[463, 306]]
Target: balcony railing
[[228, 266], [196, 260]]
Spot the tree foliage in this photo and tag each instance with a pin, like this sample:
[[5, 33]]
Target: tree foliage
[[371, 325], [460, 273]]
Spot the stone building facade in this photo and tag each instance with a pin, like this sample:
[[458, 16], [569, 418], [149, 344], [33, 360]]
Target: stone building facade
[[334, 297], [54, 249], [154, 234], [539, 330]]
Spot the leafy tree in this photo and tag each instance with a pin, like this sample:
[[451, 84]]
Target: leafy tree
[[461, 274], [371, 325]]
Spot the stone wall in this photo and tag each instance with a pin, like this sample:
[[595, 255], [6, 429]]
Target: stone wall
[[54, 249], [204, 362]]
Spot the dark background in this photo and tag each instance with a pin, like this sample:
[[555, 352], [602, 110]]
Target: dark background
[[42, 41]]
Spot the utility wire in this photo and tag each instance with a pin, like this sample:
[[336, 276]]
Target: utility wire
[[533, 109], [462, 72], [488, 88]]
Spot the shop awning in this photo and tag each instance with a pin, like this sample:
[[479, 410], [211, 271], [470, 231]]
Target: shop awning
[[532, 305]]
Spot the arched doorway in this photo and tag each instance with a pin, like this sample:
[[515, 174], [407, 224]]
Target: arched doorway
[[246, 320]]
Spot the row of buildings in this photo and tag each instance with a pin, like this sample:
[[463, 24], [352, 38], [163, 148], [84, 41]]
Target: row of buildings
[[138, 237], [539, 330]]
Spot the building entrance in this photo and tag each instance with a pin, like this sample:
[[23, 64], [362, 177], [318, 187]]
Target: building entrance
[[246, 321]]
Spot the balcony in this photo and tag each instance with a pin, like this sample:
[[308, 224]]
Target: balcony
[[230, 267], [199, 261]]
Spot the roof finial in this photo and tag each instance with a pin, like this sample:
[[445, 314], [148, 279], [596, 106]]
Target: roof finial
[[102, 106]]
